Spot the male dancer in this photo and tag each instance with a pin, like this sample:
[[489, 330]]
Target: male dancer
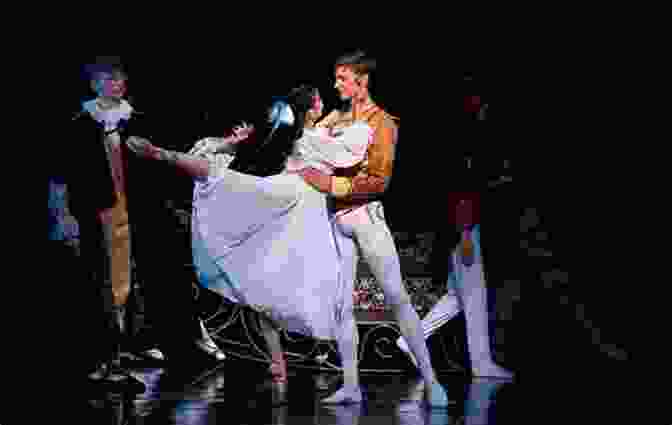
[[466, 275], [110, 212], [360, 223], [468, 280]]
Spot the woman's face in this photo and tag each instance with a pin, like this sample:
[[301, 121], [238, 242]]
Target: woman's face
[[317, 107]]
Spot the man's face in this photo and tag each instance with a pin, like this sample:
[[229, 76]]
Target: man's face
[[346, 82], [111, 84]]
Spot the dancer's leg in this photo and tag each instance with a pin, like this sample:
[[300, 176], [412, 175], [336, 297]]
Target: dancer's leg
[[348, 336], [348, 342], [444, 310], [266, 194], [379, 251], [473, 295], [194, 166]]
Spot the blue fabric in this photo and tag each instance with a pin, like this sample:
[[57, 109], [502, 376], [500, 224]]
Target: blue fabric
[[59, 228], [208, 273]]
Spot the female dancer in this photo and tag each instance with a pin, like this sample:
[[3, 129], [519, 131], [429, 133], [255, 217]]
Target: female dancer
[[265, 240]]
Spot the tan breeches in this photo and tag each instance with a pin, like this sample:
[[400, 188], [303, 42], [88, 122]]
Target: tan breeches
[[118, 239]]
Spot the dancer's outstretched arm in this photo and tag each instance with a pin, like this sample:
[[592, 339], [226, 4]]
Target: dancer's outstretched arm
[[196, 167], [192, 164], [215, 145]]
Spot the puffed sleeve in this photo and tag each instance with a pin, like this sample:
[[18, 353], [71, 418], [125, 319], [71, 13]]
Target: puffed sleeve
[[375, 175]]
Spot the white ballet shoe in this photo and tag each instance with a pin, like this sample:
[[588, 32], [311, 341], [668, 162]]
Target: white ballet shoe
[[342, 396]]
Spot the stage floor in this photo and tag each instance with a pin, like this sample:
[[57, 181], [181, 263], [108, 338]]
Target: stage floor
[[238, 392]]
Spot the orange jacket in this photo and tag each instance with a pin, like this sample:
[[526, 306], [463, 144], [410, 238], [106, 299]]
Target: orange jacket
[[370, 178]]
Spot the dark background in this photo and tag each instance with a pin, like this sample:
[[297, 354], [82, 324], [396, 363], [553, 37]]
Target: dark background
[[205, 95]]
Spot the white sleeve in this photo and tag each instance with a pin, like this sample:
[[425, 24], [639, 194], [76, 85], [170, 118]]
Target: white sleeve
[[218, 162], [213, 144], [344, 148]]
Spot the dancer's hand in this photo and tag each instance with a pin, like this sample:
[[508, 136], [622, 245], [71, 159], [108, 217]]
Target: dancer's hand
[[242, 132], [212, 145], [143, 147]]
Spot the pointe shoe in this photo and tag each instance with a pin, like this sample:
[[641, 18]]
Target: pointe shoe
[[436, 397], [344, 397]]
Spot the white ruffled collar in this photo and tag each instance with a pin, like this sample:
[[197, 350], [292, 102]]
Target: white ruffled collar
[[109, 117]]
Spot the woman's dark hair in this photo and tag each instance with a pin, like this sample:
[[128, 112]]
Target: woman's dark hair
[[267, 154]]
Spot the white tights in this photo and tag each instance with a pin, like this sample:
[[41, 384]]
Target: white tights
[[365, 228]]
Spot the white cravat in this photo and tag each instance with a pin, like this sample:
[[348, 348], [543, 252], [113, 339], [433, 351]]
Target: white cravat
[[109, 117]]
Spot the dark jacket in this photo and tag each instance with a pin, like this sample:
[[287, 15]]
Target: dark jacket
[[85, 169]]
